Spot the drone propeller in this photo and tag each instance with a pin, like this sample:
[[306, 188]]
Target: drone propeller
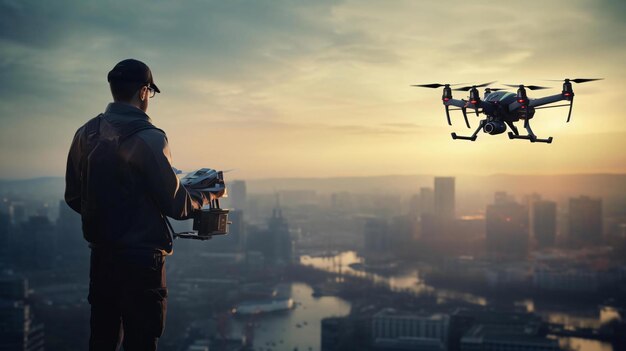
[[529, 87], [568, 92], [434, 85], [577, 80], [470, 87]]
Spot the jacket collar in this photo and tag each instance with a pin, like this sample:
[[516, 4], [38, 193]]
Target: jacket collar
[[120, 108]]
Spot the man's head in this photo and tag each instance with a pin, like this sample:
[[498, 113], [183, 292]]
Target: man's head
[[131, 82]]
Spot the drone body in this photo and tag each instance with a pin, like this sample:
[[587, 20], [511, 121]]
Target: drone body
[[502, 108]]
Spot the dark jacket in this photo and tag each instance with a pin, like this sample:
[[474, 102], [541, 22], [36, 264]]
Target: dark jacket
[[134, 191]]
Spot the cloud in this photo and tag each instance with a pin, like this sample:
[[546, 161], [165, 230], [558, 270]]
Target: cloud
[[293, 68]]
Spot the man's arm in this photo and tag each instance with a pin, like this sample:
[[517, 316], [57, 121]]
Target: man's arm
[[72, 173], [150, 155]]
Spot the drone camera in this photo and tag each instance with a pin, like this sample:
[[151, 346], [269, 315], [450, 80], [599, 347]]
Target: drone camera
[[494, 127]]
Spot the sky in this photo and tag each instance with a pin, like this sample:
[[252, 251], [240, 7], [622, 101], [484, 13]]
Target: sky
[[315, 88]]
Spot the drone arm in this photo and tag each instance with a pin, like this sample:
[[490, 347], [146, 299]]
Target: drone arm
[[538, 102], [455, 102], [546, 100]]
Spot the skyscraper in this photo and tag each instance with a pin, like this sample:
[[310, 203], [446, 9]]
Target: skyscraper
[[4, 234], [507, 229], [281, 250], [37, 243], [18, 212], [585, 221], [376, 237], [70, 238], [544, 222], [444, 197], [427, 201], [237, 194], [17, 330]]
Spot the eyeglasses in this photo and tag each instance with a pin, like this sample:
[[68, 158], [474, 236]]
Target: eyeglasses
[[151, 92]]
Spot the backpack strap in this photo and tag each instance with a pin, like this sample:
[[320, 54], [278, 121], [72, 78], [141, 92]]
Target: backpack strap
[[91, 134], [92, 131]]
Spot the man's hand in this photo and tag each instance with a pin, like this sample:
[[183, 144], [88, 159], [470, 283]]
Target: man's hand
[[217, 195]]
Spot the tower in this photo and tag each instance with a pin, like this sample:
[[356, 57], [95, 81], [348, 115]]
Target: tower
[[444, 197], [238, 194], [507, 229]]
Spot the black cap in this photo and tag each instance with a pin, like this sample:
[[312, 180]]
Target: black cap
[[131, 70]]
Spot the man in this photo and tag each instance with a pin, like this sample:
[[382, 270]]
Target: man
[[119, 178]]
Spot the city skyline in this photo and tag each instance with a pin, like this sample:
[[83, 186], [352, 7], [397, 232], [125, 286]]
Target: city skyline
[[290, 89]]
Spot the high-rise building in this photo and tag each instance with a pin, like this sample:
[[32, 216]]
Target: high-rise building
[[70, 238], [427, 201], [376, 237], [585, 221], [543, 216], [414, 206], [237, 194], [17, 328], [18, 212], [281, 250], [530, 199], [507, 229], [429, 226], [402, 230], [37, 243], [5, 222], [444, 197]]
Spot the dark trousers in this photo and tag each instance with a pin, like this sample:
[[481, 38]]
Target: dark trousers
[[127, 293]]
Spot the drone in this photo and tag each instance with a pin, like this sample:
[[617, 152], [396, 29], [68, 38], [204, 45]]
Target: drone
[[210, 220], [503, 108]]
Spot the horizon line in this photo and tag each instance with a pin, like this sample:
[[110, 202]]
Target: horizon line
[[378, 176]]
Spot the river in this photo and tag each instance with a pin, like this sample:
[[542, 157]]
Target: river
[[298, 328], [411, 281]]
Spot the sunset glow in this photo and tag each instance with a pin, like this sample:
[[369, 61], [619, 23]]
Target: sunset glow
[[321, 88]]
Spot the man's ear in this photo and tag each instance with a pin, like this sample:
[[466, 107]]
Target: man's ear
[[143, 93]]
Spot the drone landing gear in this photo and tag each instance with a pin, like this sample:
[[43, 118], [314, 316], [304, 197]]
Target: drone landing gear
[[531, 136], [473, 137]]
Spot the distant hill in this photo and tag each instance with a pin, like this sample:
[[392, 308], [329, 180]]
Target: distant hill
[[45, 187]]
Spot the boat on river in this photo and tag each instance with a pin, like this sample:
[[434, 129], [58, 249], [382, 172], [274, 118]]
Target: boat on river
[[263, 306]]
